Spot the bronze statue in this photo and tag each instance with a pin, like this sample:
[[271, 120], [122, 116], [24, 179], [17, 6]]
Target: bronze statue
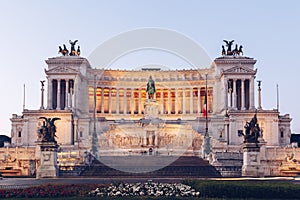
[[150, 88], [64, 51], [73, 51], [228, 45], [235, 51], [78, 51], [252, 131], [241, 50], [48, 129], [223, 51]]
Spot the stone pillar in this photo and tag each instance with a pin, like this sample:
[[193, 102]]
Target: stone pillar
[[58, 94], [191, 101], [234, 98], [66, 96], [199, 101], [176, 101], [125, 101], [183, 101], [102, 99], [259, 96], [132, 101], [145, 140], [156, 139], [140, 101], [48, 160], [169, 101], [243, 94], [251, 83], [162, 101], [117, 101], [71, 97], [49, 100], [109, 100], [42, 95], [226, 94], [251, 160]]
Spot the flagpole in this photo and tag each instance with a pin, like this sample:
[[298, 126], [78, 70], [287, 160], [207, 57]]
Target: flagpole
[[277, 98], [206, 148], [24, 97]]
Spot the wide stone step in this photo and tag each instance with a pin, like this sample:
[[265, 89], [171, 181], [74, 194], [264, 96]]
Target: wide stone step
[[148, 166]]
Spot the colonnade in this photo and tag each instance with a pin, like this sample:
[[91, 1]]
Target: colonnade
[[60, 92], [240, 94], [122, 100]]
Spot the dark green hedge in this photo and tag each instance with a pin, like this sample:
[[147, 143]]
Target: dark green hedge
[[246, 189]]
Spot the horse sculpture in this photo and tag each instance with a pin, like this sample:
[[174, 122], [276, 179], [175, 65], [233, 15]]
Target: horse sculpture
[[64, 51]]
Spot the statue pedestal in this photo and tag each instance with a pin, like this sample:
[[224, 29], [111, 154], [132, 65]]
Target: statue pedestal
[[251, 160], [151, 109], [48, 160]]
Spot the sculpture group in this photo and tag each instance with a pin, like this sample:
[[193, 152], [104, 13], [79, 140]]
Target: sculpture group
[[65, 52], [252, 131], [235, 52], [48, 129]]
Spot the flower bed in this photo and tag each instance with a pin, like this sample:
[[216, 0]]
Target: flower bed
[[50, 190]]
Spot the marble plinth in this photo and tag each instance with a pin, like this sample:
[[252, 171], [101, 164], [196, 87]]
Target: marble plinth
[[251, 160], [48, 160]]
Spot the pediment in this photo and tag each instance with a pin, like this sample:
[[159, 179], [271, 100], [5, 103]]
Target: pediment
[[239, 70], [61, 70]]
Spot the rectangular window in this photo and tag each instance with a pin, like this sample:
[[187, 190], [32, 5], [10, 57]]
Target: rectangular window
[[19, 134]]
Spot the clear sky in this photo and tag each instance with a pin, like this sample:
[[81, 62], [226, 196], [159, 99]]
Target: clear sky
[[31, 32]]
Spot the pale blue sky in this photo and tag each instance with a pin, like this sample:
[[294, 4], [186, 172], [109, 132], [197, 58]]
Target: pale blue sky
[[31, 32]]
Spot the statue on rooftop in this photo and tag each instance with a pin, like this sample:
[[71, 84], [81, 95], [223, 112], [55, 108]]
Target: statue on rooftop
[[228, 45], [73, 51], [150, 88]]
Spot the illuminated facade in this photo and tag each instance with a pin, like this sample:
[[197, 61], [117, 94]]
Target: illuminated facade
[[111, 105]]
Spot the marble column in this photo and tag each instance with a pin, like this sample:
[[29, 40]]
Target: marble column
[[243, 94], [117, 101], [176, 100], [102, 99], [58, 94], [183, 101], [49, 100], [140, 101], [125, 101], [234, 94], [109, 100], [251, 84], [132, 101], [169, 100], [226, 94], [66, 96], [161, 101], [199, 101], [191, 101]]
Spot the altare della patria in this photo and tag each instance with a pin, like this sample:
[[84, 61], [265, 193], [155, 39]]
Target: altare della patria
[[150, 120]]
